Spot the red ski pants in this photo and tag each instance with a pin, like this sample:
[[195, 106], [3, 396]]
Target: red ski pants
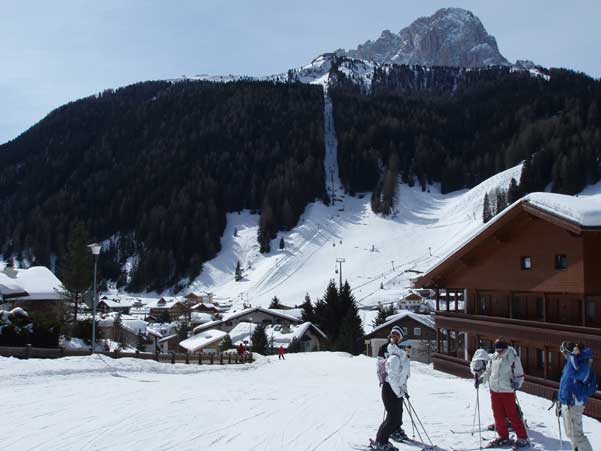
[[503, 406]]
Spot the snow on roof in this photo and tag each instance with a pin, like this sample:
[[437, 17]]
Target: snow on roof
[[201, 318], [426, 320], [585, 210], [296, 313], [118, 302], [283, 336], [230, 316], [241, 332], [202, 340], [35, 283]]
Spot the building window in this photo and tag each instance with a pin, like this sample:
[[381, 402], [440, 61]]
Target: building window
[[540, 308], [590, 311], [417, 331], [404, 329], [228, 323], [561, 261], [526, 263], [516, 303], [540, 359]]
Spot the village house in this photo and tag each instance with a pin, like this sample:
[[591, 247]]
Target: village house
[[206, 341], [36, 290], [255, 315], [199, 297], [419, 331], [531, 275], [309, 336], [117, 305]]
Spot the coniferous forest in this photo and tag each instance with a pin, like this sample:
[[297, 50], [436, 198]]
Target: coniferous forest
[[156, 166], [459, 127]]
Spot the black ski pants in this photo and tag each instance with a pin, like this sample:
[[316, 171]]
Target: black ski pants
[[394, 414]]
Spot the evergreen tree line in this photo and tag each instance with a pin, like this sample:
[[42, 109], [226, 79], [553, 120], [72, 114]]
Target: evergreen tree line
[[154, 167], [498, 199], [337, 315], [458, 128]]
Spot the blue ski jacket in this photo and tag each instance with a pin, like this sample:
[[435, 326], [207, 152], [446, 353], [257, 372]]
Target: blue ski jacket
[[574, 372]]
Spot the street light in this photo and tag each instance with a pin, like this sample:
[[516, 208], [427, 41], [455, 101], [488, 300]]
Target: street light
[[95, 249]]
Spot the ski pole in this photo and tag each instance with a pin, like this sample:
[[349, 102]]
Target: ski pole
[[413, 423], [474, 418], [420, 423], [479, 423]]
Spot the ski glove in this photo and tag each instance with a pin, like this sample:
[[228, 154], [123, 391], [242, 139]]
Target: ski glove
[[406, 395], [515, 383]]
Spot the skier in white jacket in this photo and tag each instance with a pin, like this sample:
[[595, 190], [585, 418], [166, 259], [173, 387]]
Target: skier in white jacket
[[504, 374], [394, 388]]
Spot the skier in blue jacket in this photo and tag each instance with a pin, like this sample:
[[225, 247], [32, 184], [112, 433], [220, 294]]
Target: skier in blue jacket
[[572, 392]]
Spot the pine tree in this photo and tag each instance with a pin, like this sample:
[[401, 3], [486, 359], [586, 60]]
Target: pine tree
[[486, 210], [308, 312], [238, 273], [140, 343], [117, 331], [275, 303], [259, 340], [226, 343], [383, 313], [513, 192], [282, 245], [351, 332], [77, 271], [182, 330]]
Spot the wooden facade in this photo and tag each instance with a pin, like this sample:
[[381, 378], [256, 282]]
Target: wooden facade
[[532, 277]]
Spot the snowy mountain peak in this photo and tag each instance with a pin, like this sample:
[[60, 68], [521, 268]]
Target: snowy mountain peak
[[450, 37]]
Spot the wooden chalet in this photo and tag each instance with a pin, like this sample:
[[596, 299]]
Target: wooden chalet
[[531, 275]]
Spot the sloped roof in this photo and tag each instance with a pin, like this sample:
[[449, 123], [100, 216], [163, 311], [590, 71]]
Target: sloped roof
[[202, 340], [244, 312], [426, 320], [35, 283], [570, 212]]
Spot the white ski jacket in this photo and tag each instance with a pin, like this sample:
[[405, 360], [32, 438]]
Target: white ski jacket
[[398, 370], [504, 373]]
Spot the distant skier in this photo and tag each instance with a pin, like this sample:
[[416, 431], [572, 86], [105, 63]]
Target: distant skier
[[504, 374], [281, 352], [241, 350], [577, 383], [393, 372]]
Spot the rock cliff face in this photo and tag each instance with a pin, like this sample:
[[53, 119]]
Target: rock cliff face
[[450, 37]]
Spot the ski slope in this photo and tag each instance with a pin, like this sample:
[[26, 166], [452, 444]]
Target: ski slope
[[377, 250], [314, 401]]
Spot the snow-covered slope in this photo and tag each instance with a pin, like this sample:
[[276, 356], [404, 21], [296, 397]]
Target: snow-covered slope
[[314, 401], [377, 250]]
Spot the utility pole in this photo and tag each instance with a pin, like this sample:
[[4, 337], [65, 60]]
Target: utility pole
[[340, 261], [392, 265], [430, 251]]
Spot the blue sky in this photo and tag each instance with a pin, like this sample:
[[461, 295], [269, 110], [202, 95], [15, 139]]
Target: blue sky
[[52, 52]]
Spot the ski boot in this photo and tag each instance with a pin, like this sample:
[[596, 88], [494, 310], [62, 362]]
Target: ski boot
[[521, 443], [500, 442], [399, 435], [376, 446]]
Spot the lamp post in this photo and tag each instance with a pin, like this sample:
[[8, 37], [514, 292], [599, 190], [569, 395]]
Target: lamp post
[[95, 249]]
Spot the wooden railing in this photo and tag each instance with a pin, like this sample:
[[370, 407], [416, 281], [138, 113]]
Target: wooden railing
[[222, 358], [522, 322]]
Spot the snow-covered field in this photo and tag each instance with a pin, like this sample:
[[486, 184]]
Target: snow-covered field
[[316, 401]]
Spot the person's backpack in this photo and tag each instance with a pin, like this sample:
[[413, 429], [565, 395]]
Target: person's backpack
[[382, 373], [590, 381]]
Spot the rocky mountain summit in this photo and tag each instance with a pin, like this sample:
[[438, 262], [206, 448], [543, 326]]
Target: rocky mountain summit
[[450, 37]]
